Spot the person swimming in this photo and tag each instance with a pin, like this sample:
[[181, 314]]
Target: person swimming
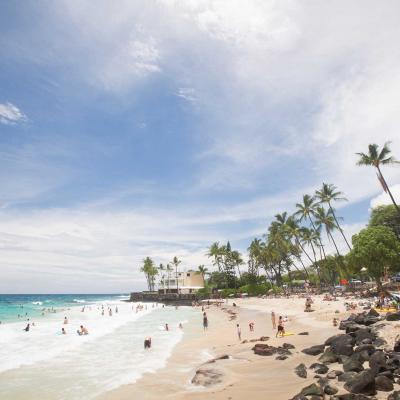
[[147, 343], [83, 331]]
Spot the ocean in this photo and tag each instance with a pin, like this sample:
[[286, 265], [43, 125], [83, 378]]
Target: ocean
[[45, 364]]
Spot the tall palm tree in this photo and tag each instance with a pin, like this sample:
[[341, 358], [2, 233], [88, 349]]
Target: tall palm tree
[[176, 263], [202, 270], [325, 219], [327, 194], [377, 158], [162, 269], [305, 211], [216, 251]]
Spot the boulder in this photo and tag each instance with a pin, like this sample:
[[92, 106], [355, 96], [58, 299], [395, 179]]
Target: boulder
[[301, 371], [393, 316], [383, 384], [363, 383], [377, 362], [330, 389], [346, 376], [397, 346], [328, 357], [263, 338], [264, 349], [314, 350], [303, 333], [352, 365], [333, 374], [281, 358], [373, 313], [352, 396], [319, 368], [207, 377], [288, 346], [364, 333], [394, 396], [312, 390]]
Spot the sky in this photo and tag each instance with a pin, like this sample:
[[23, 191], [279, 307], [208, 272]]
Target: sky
[[156, 127]]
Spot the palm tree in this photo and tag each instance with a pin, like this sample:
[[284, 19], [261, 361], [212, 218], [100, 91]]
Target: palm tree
[[377, 158], [327, 194], [162, 269], [325, 219], [305, 211], [201, 269], [176, 262], [150, 271], [215, 251]]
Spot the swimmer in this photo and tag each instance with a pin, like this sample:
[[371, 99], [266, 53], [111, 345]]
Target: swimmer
[[83, 331], [63, 331], [147, 343], [65, 320], [166, 327]]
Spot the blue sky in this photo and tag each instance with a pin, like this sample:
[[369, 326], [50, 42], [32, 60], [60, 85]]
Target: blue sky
[[153, 128]]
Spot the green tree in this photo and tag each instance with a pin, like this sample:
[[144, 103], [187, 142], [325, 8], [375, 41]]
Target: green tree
[[386, 216], [326, 220], [326, 195], [216, 251], [202, 270], [376, 248], [161, 269], [176, 263], [376, 158], [150, 271]]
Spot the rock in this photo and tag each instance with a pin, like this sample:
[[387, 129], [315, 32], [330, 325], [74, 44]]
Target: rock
[[288, 346], [393, 316], [263, 338], [346, 376], [377, 362], [333, 374], [301, 371], [342, 339], [378, 342], [394, 396], [213, 360], [383, 384], [264, 349], [303, 333], [282, 351], [364, 333], [364, 383], [352, 365], [207, 377], [373, 313], [330, 389], [396, 346], [369, 348], [352, 396], [328, 357], [366, 341], [281, 358], [319, 368], [312, 390], [314, 350], [245, 341], [322, 381]]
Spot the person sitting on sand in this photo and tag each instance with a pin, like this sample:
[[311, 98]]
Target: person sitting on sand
[[83, 331], [281, 329], [65, 320], [147, 343]]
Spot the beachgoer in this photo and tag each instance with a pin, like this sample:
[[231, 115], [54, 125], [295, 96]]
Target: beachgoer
[[166, 327], [147, 343], [239, 331], [26, 329], [251, 326], [110, 312], [180, 325], [83, 331], [273, 319], [65, 320], [335, 322], [63, 331], [281, 328], [205, 321], [116, 310]]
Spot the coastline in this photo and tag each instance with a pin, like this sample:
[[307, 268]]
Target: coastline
[[244, 373]]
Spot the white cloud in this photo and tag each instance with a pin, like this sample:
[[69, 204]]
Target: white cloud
[[187, 93], [11, 114], [384, 198]]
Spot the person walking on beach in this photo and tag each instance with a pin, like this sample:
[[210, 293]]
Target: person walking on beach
[[281, 329], [205, 321], [273, 319], [239, 331], [166, 327]]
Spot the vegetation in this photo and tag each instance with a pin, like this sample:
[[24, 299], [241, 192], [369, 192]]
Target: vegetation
[[150, 271], [294, 247]]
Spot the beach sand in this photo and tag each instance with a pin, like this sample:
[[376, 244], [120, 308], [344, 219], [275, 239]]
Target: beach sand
[[244, 374]]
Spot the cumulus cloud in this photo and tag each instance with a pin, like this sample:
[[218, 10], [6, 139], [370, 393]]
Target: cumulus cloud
[[384, 198], [11, 114]]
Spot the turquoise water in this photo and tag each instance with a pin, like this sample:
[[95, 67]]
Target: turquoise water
[[19, 307]]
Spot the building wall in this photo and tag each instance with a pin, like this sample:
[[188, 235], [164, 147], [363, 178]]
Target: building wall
[[185, 281]]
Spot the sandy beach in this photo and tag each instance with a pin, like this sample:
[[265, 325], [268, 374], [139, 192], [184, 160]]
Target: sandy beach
[[244, 373]]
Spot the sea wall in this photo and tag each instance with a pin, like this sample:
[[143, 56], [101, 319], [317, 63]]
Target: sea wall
[[167, 298]]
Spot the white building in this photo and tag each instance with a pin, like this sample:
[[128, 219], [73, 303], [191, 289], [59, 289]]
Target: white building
[[188, 282]]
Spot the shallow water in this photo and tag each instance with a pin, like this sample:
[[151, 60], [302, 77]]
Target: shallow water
[[43, 364]]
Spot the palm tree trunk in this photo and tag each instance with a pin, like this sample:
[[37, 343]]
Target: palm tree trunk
[[304, 251], [319, 239], [334, 243], [305, 269], [390, 193], [337, 224]]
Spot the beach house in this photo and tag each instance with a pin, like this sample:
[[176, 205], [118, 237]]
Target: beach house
[[187, 282]]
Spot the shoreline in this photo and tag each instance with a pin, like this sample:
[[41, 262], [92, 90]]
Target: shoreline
[[244, 372]]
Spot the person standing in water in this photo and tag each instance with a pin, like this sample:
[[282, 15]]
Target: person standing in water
[[65, 320], [166, 327], [273, 319]]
